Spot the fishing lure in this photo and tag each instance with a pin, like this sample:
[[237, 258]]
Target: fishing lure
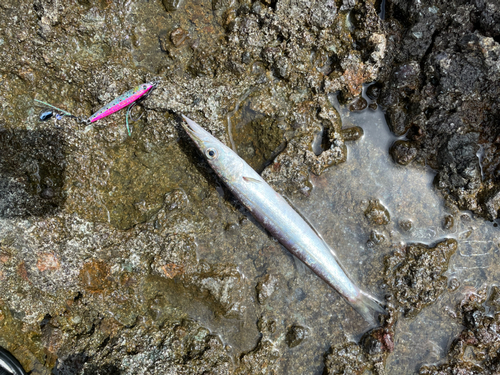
[[128, 99]]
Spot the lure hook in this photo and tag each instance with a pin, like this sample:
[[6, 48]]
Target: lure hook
[[129, 113]]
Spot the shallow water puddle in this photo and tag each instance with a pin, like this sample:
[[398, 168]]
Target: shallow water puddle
[[337, 205]]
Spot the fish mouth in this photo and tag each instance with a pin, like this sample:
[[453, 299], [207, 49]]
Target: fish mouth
[[194, 130]]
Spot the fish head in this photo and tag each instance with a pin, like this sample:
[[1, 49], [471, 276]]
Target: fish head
[[224, 161]]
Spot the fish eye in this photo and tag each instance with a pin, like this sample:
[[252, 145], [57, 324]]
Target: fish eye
[[211, 153]]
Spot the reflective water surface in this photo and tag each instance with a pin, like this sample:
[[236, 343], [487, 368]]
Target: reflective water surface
[[337, 205]]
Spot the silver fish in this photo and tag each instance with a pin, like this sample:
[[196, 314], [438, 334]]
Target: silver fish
[[280, 219]]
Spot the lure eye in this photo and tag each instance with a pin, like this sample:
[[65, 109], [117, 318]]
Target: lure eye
[[211, 153], [144, 87]]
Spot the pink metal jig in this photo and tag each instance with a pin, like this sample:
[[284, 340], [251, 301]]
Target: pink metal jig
[[122, 101], [127, 99]]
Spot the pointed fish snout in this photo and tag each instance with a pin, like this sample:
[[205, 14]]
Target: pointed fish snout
[[189, 123], [194, 130]]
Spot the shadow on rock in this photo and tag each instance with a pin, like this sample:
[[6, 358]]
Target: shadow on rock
[[32, 170]]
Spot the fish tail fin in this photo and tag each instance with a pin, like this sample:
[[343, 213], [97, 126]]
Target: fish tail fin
[[368, 307]]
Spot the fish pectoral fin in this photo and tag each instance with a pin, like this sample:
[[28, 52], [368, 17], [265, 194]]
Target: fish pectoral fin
[[250, 179]]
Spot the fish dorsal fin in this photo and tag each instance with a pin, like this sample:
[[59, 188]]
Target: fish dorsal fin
[[250, 179], [309, 223]]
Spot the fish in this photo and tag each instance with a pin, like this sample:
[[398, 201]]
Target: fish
[[281, 220]]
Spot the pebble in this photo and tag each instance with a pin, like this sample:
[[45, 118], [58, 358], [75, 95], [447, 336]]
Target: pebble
[[376, 213], [403, 152], [352, 134], [358, 104], [295, 335]]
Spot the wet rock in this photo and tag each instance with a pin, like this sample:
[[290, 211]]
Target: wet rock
[[32, 170], [373, 91], [72, 364], [403, 152], [377, 341], [415, 133], [204, 64], [350, 358], [47, 193], [475, 349], [266, 325], [262, 360], [406, 225], [183, 346], [176, 257], [453, 284], [407, 77], [171, 5], [266, 287], [358, 104], [221, 283], [371, 345], [448, 222], [397, 119], [352, 134], [376, 213], [295, 335], [373, 106], [494, 299], [378, 237], [178, 37], [316, 114], [163, 41], [493, 205], [47, 262], [175, 200], [439, 72], [460, 172], [414, 275], [258, 138]]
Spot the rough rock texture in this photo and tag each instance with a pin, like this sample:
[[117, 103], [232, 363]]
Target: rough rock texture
[[110, 244], [376, 213], [441, 89], [414, 275], [369, 355], [125, 254], [477, 349]]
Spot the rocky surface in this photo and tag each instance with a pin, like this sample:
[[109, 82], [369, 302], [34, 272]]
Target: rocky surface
[[125, 255], [476, 349], [440, 89], [414, 275]]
